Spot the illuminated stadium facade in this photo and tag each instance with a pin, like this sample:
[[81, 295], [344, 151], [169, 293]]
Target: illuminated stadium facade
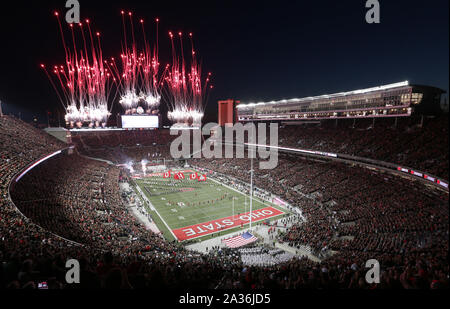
[[393, 100]]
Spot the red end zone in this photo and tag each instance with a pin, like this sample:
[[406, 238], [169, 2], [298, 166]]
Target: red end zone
[[223, 224], [157, 174]]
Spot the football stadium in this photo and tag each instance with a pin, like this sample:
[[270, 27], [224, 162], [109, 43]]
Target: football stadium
[[357, 198]]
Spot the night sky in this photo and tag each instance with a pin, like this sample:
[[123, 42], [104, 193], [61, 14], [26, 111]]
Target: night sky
[[256, 50]]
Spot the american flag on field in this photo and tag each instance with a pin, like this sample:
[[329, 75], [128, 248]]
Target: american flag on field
[[240, 240]]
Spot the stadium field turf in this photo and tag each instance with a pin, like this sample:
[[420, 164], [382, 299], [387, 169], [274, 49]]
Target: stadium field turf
[[189, 209]]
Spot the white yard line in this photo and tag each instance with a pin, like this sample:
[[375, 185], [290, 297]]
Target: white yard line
[[154, 208], [265, 203]]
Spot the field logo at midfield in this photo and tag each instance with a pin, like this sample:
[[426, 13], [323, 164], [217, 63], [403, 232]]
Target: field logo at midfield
[[234, 143], [219, 225]]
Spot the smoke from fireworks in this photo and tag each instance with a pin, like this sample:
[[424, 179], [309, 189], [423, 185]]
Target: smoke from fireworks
[[83, 84]]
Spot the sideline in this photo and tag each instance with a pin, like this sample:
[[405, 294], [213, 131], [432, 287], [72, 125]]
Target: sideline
[[155, 210]]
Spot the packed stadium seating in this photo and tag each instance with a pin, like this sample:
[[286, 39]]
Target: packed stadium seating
[[125, 146], [419, 143], [413, 142], [352, 213]]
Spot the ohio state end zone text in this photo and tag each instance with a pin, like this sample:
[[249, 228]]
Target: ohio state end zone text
[[219, 225]]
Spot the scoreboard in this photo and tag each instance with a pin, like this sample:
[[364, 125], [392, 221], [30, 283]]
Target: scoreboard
[[140, 121]]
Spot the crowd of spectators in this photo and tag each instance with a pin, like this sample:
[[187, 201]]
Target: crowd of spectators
[[260, 256], [352, 213], [76, 198], [356, 214], [125, 146], [416, 142]]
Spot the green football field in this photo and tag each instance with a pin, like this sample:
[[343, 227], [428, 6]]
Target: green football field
[[183, 204]]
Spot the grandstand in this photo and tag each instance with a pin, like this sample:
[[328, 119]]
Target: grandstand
[[66, 200], [393, 100]]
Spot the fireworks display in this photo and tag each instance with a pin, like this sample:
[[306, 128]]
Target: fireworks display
[[187, 91], [139, 74], [83, 84], [86, 82]]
